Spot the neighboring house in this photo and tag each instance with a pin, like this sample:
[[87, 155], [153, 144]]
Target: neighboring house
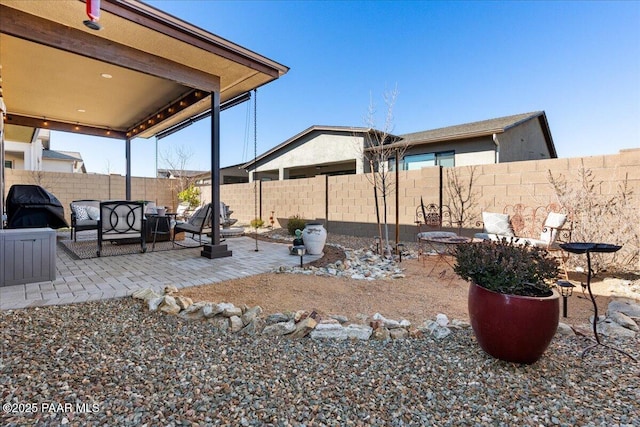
[[325, 150], [27, 148], [228, 175]]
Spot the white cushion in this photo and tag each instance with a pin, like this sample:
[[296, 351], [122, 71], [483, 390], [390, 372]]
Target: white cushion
[[554, 221], [93, 212], [497, 223], [436, 234], [80, 212]]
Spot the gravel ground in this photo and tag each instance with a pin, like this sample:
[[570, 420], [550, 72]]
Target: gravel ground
[[112, 363]]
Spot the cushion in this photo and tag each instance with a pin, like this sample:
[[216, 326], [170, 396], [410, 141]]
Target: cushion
[[436, 234], [497, 223], [80, 211], [551, 224], [93, 212]]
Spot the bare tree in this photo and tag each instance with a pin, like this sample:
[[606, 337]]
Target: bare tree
[[176, 161], [462, 199], [379, 149]]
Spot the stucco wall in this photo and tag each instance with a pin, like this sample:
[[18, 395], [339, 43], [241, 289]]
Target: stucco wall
[[523, 142], [328, 147]]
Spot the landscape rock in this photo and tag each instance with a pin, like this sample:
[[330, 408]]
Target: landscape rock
[[564, 330], [360, 332], [398, 333], [279, 329], [154, 303], [303, 328], [381, 334], [145, 294], [235, 324], [253, 328], [170, 289], [232, 312], [626, 306], [169, 305], [250, 314], [328, 331], [277, 318], [624, 321], [183, 302]]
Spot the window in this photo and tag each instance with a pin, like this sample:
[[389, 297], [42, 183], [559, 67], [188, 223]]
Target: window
[[8, 164], [419, 161]]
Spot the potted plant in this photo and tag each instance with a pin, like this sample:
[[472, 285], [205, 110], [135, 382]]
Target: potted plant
[[513, 308]]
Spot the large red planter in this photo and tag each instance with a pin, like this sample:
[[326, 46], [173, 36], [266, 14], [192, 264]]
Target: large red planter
[[513, 328]]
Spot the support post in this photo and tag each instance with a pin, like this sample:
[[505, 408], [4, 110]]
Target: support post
[[215, 249], [127, 149]]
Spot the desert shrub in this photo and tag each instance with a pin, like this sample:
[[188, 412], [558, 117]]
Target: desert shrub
[[190, 195], [257, 223], [601, 216], [295, 223]]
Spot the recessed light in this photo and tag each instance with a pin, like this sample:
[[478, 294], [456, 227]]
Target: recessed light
[[106, 75], [81, 110]]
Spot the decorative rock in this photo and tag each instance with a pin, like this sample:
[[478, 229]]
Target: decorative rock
[[183, 302], [232, 311], [220, 323], [612, 329], [328, 331], [381, 334], [442, 319], [388, 323], [194, 311], [564, 330], [279, 329], [169, 305], [441, 332], [250, 314], [276, 318], [398, 333], [235, 323], [209, 310], [300, 314], [303, 328], [145, 294], [625, 306], [170, 289], [253, 328], [405, 324], [339, 318], [624, 321], [360, 332], [459, 324], [154, 303]]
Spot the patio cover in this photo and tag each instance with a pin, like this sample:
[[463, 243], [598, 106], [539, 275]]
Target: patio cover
[[144, 72]]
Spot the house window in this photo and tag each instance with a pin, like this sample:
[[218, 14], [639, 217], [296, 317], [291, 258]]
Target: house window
[[419, 161], [8, 164]]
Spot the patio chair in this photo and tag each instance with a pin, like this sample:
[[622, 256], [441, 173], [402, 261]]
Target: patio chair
[[200, 220], [122, 221], [84, 216]]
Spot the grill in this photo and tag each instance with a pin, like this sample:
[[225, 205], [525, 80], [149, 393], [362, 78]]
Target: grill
[[31, 206]]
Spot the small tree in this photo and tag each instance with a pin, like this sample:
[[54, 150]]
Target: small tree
[[462, 199], [176, 161], [379, 148], [190, 195]]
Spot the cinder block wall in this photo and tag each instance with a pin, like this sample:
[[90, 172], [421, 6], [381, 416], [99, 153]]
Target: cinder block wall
[[70, 186], [346, 203]]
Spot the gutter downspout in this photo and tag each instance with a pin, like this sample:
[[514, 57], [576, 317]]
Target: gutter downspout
[[495, 141]]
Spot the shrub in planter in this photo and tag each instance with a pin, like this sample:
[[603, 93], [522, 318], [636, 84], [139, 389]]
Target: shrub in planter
[[513, 308]]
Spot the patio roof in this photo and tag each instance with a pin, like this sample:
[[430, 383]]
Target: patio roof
[[55, 71], [144, 72]]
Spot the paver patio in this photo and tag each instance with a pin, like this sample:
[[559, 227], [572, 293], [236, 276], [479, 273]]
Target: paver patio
[[118, 276]]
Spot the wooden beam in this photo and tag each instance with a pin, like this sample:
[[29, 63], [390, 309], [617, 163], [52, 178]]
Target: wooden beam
[[14, 119], [42, 31]]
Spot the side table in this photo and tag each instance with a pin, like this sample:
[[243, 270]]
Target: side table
[[158, 218]]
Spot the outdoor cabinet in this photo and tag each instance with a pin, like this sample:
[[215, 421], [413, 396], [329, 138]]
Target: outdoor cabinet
[[27, 255]]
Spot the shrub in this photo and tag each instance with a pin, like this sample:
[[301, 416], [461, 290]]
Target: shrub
[[257, 223], [295, 223], [190, 195], [507, 268]]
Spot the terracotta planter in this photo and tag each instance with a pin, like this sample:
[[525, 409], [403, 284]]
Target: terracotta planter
[[513, 328]]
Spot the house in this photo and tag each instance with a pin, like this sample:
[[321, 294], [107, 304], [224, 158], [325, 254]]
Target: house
[[327, 150], [234, 174], [27, 148]]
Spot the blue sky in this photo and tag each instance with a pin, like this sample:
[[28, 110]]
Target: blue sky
[[452, 62]]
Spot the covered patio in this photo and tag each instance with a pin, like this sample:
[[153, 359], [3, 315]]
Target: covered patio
[[144, 74]]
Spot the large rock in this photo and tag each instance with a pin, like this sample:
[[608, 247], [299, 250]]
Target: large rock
[[145, 294], [183, 302], [398, 333], [277, 318], [170, 289], [629, 307], [235, 323], [194, 311], [624, 320], [253, 328], [169, 305], [154, 303], [303, 328], [328, 331], [219, 323], [250, 314], [612, 329], [360, 332], [232, 311], [279, 329], [381, 334]]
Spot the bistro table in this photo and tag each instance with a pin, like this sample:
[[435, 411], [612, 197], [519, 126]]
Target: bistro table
[[443, 244], [157, 219], [588, 248]]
